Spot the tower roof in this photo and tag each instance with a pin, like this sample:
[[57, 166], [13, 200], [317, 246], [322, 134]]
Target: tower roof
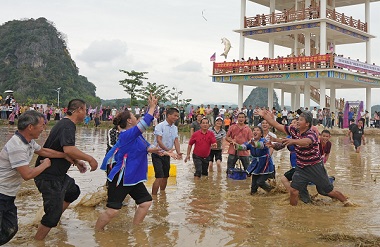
[[286, 4]]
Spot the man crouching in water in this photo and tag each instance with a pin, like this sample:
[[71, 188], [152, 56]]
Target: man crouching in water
[[309, 162]]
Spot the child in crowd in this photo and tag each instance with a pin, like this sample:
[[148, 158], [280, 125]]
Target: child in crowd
[[261, 167], [227, 123], [357, 135], [204, 140], [325, 145], [96, 120], [11, 118], [87, 120]]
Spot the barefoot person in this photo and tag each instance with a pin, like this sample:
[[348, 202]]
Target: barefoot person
[[287, 177], [14, 166], [203, 140], [166, 136], [57, 188], [261, 167], [309, 162], [220, 135], [357, 135], [128, 174], [238, 133]]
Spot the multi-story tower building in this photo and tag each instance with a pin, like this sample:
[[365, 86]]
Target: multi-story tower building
[[311, 29]]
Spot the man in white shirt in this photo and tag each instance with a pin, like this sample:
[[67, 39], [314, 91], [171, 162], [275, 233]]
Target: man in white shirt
[[113, 112], [222, 111], [284, 114], [137, 110], [315, 116]]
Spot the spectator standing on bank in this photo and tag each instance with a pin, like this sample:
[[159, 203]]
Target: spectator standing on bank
[[215, 111], [340, 119], [250, 115]]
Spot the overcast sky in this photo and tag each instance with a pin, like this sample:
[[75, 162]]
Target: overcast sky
[[170, 39]]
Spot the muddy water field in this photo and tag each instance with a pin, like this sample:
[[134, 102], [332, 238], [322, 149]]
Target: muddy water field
[[216, 210]]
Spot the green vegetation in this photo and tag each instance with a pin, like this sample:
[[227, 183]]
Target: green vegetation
[[134, 86], [34, 61]]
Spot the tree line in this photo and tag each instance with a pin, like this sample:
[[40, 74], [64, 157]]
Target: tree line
[[139, 91]]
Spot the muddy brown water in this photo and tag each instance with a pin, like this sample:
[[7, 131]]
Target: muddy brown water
[[217, 211]]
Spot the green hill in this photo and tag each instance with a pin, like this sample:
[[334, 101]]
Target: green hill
[[34, 60]]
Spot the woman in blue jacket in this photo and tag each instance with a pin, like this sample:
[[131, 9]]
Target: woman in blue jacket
[[129, 166]]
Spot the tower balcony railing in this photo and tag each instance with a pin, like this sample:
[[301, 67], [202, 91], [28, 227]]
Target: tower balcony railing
[[346, 20], [303, 14], [295, 63]]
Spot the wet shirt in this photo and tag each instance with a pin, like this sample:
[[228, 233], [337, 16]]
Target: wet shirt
[[307, 155], [351, 126], [219, 135], [357, 133], [17, 152], [202, 143], [168, 133], [130, 153], [195, 125], [325, 148], [240, 135], [261, 160], [61, 135]]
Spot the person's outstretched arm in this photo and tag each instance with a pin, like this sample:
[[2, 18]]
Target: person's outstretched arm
[[269, 117]]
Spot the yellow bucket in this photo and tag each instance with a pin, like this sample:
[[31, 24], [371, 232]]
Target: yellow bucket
[[172, 172]]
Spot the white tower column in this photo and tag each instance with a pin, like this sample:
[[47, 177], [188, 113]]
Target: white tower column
[[282, 99], [297, 98], [296, 44], [323, 6], [307, 44], [322, 39], [270, 95], [271, 47], [306, 95], [332, 98], [316, 39], [322, 90], [240, 95], [368, 43], [292, 101], [322, 34], [368, 103], [243, 9]]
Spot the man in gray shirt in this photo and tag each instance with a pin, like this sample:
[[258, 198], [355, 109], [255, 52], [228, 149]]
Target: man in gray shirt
[[14, 167]]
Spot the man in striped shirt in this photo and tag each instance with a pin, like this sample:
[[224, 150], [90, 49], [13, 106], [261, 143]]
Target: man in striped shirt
[[309, 162]]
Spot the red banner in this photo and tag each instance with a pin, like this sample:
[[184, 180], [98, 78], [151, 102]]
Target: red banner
[[285, 60]]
